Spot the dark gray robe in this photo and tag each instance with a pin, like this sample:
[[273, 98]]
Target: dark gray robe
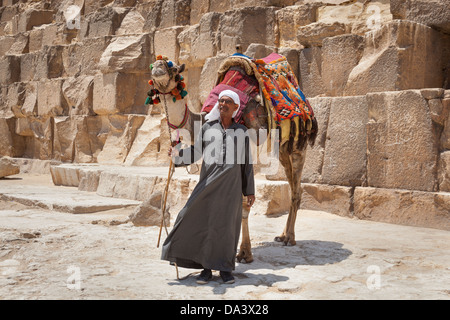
[[206, 231]]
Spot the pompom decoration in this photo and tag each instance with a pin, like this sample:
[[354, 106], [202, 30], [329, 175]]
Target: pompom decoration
[[178, 93]]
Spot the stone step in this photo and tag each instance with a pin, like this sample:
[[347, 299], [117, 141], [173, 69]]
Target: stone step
[[68, 200], [399, 206], [138, 183]]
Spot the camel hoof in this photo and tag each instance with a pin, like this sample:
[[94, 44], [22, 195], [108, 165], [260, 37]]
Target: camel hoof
[[245, 257], [286, 240]]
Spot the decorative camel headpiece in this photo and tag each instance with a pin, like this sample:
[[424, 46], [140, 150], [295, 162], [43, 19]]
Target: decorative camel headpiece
[[166, 79]]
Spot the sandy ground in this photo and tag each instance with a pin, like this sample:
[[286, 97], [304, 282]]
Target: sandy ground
[[46, 254]]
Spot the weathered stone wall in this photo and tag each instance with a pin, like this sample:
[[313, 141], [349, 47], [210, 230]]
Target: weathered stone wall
[[377, 73]]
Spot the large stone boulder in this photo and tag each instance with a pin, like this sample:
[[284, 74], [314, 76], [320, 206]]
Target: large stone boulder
[[149, 213], [8, 167]]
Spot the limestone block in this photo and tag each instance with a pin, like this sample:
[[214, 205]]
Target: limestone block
[[414, 208], [433, 13], [9, 69], [91, 6], [65, 132], [220, 6], [151, 143], [208, 75], [149, 213], [49, 63], [45, 35], [402, 142], [166, 42], [97, 128], [129, 53], [400, 55], [133, 23], [120, 138], [17, 141], [21, 44], [29, 106], [35, 166], [120, 93], [5, 43], [340, 55], [310, 72], [14, 95], [345, 147], [258, 51], [444, 171], [312, 169], [28, 63], [8, 167], [199, 42], [314, 33], [9, 11], [6, 142], [78, 93], [445, 136], [23, 127], [31, 18], [358, 16], [198, 9], [40, 146], [246, 26], [4, 110], [65, 176], [175, 13], [84, 57], [89, 179], [50, 100], [105, 21], [35, 36], [334, 199], [273, 198], [289, 19]]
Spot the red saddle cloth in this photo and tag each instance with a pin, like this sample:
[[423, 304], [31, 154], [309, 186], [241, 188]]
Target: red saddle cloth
[[235, 80]]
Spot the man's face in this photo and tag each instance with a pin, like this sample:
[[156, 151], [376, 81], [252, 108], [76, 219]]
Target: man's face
[[227, 107]]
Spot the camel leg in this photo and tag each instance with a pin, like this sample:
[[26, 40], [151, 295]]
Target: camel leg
[[293, 165], [245, 251]]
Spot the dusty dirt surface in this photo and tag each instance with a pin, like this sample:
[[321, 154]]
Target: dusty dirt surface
[[46, 254]]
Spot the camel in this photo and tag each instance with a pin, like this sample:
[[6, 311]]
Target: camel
[[166, 75]]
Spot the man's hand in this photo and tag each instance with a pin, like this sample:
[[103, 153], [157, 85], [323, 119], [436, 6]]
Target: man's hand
[[173, 152], [250, 200]]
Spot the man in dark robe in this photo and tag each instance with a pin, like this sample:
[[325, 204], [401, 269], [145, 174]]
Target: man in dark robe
[[206, 232]]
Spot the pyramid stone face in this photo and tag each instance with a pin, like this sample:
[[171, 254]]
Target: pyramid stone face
[[73, 82]]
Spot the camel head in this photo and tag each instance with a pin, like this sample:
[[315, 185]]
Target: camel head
[[165, 74]]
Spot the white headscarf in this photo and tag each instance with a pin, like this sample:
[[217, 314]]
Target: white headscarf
[[214, 114]]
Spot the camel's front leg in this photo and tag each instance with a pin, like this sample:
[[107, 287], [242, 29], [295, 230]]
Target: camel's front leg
[[288, 235], [245, 251]]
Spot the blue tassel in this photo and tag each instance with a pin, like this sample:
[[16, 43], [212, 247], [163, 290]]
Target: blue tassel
[[170, 64]]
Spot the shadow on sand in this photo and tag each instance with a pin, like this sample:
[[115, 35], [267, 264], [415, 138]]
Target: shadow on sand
[[274, 256], [305, 252]]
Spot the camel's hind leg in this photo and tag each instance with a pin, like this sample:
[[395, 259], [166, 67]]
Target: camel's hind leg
[[293, 165], [245, 251]]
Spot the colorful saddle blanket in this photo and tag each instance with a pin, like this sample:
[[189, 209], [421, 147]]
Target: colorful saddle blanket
[[285, 102]]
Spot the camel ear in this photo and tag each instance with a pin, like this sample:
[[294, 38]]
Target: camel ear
[[181, 68]]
